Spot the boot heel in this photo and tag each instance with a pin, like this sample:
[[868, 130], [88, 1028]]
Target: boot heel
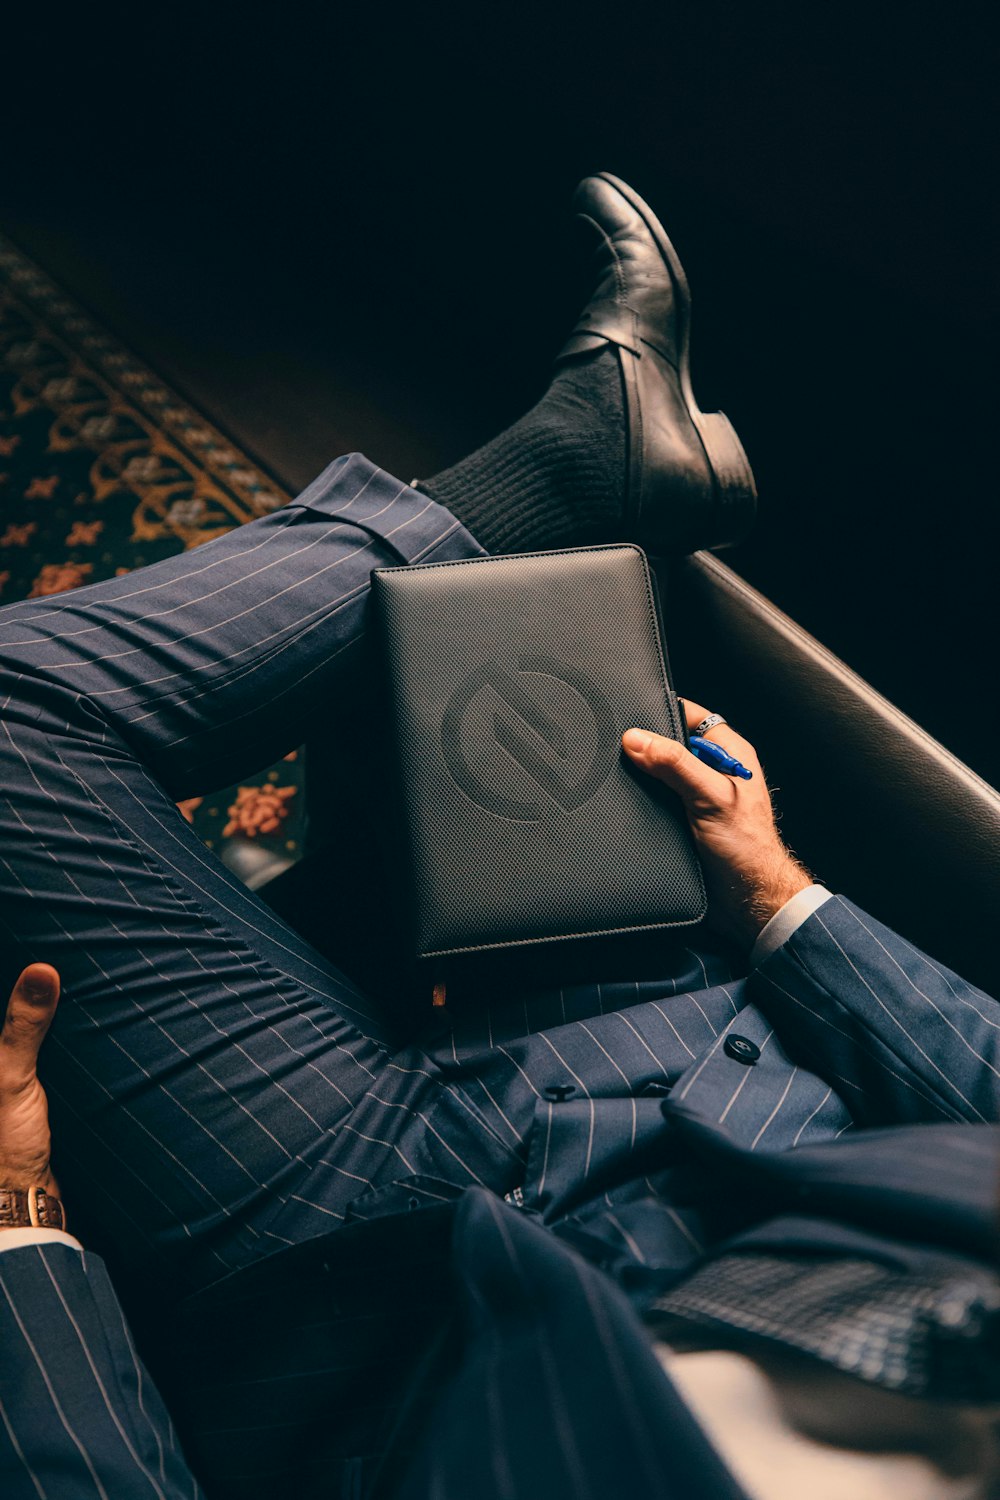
[[735, 487]]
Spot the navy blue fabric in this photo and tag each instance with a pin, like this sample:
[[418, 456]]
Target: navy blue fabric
[[227, 1103], [79, 1415], [544, 1337]]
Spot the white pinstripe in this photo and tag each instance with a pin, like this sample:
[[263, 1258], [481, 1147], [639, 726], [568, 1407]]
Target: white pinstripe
[[356, 1176], [620, 1071], [642, 1042], [621, 1382], [701, 1066], [302, 1014], [948, 1022], [550, 1044], [135, 1063], [186, 879], [117, 988], [297, 1198], [461, 1099], [934, 1103], [775, 1111], [127, 1336], [218, 979], [12, 1435], [809, 1121], [112, 1413], [545, 1157], [729, 997], [694, 999], [562, 1426], [375, 1140], [189, 601], [216, 625], [747, 1075], [659, 1008], [97, 1188], [501, 1444], [685, 1231], [897, 1022], [298, 1008], [206, 1016], [292, 636], [517, 1065], [942, 973], [34, 614], [701, 964], [513, 1130], [419, 1114], [57, 1405], [301, 625]]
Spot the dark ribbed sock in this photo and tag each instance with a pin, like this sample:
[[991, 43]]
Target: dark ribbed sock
[[554, 479]]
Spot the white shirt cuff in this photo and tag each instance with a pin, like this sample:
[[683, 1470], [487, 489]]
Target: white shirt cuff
[[13, 1239], [784, 922]]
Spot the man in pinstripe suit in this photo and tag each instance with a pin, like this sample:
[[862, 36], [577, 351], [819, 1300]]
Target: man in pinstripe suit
[[425, 1260]]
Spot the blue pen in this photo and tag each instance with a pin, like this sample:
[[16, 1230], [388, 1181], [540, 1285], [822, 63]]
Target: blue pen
[[713, 755]]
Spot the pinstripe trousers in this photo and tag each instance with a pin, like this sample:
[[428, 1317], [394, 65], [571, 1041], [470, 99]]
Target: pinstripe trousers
[[205, 1061]]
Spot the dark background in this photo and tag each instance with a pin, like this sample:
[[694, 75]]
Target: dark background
[[338, 230]]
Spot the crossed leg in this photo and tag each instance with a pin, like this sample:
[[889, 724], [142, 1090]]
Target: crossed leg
[[218, 1087]]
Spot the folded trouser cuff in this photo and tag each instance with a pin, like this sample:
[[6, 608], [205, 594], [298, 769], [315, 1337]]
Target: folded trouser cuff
[[413, 525]]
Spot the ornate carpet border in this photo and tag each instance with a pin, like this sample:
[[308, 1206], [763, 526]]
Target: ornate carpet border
[[112, 364]]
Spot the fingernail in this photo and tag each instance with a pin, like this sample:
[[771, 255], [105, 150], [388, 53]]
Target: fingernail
[[38, 986], [635, 739]]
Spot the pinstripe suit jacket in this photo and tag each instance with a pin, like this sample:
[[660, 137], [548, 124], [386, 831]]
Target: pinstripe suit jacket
[[446, 1342]]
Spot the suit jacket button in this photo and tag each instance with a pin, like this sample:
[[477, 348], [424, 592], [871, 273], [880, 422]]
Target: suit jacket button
[[741, 1048], [557, 1092]]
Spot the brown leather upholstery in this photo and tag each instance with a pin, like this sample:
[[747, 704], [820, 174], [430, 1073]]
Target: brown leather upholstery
[[874, 806]]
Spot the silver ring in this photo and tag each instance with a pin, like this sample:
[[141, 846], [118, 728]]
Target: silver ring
[[708, 723]]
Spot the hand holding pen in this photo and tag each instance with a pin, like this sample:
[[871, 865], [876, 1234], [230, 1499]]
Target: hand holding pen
[[713, 755], [749, 873]]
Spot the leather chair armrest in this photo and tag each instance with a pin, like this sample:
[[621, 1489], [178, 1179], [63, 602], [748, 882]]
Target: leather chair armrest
[[876, 807]]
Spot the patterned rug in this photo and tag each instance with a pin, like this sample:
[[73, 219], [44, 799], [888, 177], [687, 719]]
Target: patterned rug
[[103, 469]]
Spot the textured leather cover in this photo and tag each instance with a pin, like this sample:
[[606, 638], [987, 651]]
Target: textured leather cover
[[511, 680]]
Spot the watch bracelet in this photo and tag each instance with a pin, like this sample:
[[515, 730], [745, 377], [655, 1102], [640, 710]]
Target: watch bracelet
[[30, 1208]]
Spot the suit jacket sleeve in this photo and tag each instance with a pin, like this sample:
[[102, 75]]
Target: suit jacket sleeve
[[900, 1037], [79, 1416]]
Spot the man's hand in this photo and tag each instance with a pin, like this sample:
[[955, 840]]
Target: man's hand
[[748, 871], [25, 1141]]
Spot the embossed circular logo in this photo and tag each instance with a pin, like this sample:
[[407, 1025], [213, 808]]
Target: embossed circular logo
[[546, 727]]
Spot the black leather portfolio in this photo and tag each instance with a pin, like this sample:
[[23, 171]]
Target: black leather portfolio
[[510, 682]]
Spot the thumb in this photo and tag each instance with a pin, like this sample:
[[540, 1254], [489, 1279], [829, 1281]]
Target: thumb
[[30, 1009], [672, 763]]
